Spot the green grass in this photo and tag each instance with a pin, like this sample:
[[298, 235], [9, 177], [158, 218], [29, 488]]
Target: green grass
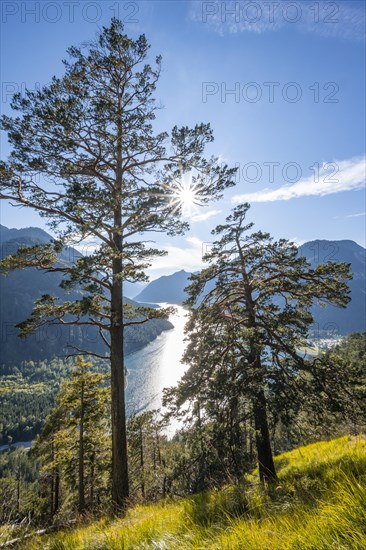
[[318, 503]]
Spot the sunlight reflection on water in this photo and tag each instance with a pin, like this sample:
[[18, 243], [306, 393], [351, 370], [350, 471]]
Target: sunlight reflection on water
[[156, 366]]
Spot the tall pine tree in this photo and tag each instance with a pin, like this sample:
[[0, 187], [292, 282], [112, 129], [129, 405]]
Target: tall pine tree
[[249, 319], [86, 156]]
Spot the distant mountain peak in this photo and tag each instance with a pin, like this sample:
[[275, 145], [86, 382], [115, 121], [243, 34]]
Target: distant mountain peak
[[340, 242], [170, 288], [167, 288], [10, 234]]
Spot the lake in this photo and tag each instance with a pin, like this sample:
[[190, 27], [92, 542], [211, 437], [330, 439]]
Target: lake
[[156, 366], [151, 369]]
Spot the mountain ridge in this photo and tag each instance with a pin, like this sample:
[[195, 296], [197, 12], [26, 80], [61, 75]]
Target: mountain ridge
[[21, 288], [329, 319], [176, 295]]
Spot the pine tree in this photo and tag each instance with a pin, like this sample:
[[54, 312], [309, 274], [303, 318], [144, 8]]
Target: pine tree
[[146, 444], [75, 441], [46, 448], [87, 157], [251, 311]]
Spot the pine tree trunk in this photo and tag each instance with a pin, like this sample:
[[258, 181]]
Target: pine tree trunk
[[52, 499], [55, 483], [263, 443], [81, 453], [18, 494], [92, 469], [57, 491], [142, 463], [251, 430], [119, 441], [120, 490], [267, 470]]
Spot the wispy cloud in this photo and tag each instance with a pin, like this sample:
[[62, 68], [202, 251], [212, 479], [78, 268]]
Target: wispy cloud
[[298, 242], [349, 176], [343, 19], [205, 216], [188, 257], [358, 215]]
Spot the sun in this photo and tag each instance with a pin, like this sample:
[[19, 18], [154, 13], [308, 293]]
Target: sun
[[186, 197], [183, 194]]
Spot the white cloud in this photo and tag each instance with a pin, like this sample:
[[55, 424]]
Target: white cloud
[[195, 241], [187, 257], [356, 215], [205, 216], [86, 246], [342, 19], [298, 242], [348, 176]]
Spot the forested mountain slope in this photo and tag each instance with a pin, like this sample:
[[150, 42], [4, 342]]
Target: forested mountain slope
[[20, 289], [333, 319]]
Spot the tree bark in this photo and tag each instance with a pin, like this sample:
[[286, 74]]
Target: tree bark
[[267, 470], [57, 490], [53, 477], [263, 442], [120, 489], [18, 493], [142, 462], [92, 469], [81, 453]]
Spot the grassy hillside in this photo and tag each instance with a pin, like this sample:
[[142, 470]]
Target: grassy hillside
[[318, 503]]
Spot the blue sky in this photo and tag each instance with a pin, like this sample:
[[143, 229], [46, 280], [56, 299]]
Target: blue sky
[[282, 84]]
